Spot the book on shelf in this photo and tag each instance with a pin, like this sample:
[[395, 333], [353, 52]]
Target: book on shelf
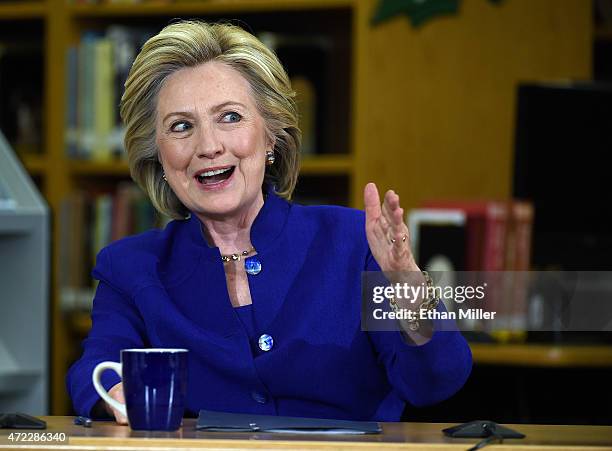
[[103, 100], [71, 119], [518, 259], [438, 238], [72, 273]]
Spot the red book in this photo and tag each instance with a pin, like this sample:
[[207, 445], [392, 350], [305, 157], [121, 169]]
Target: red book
[[522, 217], [487, 224], [122, 211], [518, 260]]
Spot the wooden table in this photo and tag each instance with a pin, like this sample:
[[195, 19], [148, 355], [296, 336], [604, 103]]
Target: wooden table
[[395, 436], [542, 356]]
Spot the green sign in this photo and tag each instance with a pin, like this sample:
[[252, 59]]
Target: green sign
[[419, 11]]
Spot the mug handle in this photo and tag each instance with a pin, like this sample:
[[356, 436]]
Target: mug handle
[[97, 373]]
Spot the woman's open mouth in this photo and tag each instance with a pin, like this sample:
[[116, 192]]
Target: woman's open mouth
[[215, 178]]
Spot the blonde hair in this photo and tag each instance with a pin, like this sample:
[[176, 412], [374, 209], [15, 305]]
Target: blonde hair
[[188, 44]]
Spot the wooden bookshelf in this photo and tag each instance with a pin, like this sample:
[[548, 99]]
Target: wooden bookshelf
[[22, 10], [327, 164], [400, 125], [197, 8], [536, 355], [35, 164], [112, 168]]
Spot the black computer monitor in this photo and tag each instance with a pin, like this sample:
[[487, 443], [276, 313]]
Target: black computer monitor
[[562, 163]]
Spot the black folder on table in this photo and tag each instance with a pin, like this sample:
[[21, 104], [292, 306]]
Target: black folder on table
[[209, 420]]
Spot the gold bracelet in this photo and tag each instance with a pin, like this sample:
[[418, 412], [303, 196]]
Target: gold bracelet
[[430, 303]]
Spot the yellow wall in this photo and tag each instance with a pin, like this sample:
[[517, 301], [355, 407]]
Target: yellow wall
[[436, 104]]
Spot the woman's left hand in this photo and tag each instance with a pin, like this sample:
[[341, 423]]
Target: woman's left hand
[[386, 231]]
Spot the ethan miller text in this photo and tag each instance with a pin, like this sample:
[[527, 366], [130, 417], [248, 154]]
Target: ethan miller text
[[471, 313]]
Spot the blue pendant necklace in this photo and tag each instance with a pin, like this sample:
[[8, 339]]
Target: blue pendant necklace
[[252, 264]]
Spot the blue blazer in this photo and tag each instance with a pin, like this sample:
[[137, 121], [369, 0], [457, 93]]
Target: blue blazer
[[167, 288]]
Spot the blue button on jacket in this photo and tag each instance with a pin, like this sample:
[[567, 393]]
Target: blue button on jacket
[[167, 288]]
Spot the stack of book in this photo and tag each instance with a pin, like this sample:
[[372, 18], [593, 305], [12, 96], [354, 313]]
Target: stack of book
[[490, 238], [90, 221], [97, 69]]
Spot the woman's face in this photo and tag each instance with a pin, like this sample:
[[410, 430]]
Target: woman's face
[[212, 140]]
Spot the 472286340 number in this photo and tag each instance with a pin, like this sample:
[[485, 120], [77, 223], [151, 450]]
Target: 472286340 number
[[37, 437]]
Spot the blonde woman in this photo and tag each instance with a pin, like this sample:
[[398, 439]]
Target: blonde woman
[[264, 293]]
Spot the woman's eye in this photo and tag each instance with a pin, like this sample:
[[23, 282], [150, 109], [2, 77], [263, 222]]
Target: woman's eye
[[181, 126], [232, 116]]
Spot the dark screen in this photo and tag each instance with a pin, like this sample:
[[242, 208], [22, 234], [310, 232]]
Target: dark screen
[[563, 146]]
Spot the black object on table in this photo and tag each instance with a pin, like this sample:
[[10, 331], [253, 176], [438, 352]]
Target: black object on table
[[488, 430], [20, 421]]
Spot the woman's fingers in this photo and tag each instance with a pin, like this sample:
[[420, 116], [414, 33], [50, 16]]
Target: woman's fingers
[[117, 393], [394, 215], [391, 208], [376, 224], [387, 215], [398, 231], [119, 418], [371, 201]]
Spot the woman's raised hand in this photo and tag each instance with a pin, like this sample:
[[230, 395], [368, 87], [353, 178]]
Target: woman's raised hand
[[386, 231]]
